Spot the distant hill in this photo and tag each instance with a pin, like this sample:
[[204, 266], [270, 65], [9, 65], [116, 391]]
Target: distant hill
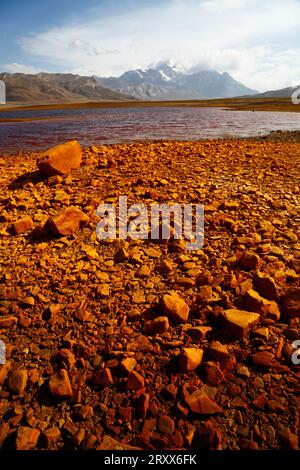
[[56, 88], [172, 82], [282, 93]]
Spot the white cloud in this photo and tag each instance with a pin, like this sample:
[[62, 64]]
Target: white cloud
[[20, 68], [220, 6], [250, 39]]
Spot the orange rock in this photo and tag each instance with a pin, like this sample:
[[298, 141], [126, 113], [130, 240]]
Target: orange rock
[[208, 437], [263, 358], [199, 402], [175, 308], [127, 365], [69, 221], [288, 440], [61, 160], [23, 225], [190, 359], [266, 286], [103, 378], [198, 332], [142, 405], [18, 381], [7, 321], [218, 351], [291, 303], [166, 425], [51, 436], [157, 326], [60, 386], [255, 303], [249, 261], [214, 375], [135, 381], [121, 255], [67, 358], [27, 438], [238, 322]]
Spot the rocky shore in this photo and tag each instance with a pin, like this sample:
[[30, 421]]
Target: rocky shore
[[144, 344]]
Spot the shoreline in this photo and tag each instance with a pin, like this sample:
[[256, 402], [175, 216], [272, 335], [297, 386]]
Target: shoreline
[[272, 136], [238, 104]]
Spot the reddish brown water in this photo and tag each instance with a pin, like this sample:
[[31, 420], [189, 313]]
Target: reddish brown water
[[98, 126]]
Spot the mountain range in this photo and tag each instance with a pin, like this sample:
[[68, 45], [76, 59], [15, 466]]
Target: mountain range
[[161, 82], [172, 82], [56, 88]]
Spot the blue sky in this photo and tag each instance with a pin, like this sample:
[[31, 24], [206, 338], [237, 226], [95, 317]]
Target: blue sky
[[256, 41]]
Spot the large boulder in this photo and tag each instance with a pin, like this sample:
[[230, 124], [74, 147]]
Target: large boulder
[[61, 160]]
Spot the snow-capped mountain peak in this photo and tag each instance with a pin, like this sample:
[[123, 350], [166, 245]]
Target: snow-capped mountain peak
[[169, 80]]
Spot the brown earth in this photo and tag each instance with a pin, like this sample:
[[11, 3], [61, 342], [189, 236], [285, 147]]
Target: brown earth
[[238, 104], [101, 353]]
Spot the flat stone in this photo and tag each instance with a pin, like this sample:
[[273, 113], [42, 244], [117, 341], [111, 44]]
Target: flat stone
[[60, 160], [198, 332], [263, 358], [200, 403], [262, 332], [238, 322]]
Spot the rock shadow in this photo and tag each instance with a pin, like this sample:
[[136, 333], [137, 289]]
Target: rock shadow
[[34, 177]]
